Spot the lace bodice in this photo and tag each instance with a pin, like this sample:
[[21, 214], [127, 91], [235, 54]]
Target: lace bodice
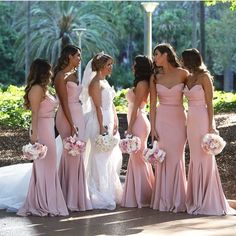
[[108, 94]]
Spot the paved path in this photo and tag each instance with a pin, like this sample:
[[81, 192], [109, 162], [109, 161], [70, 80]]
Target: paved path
[[122, 221]]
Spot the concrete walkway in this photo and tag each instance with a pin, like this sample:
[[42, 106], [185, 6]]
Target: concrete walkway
[[122, 221]]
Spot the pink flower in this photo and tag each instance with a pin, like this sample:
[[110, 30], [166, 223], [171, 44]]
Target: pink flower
[[154, 155], [130, 144], [34, 151], [212, 143], [74, 146]]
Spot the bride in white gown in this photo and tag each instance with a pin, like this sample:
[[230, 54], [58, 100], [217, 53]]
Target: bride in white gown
[[101, 167]]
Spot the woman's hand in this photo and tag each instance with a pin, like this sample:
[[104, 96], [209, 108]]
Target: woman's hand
[[115, 128], [154, 135], [213, 130], [74, 130], [129, 131], [34, 138], [103, 130]]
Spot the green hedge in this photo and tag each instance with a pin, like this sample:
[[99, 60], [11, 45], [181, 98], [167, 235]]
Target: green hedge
[[13, 113]]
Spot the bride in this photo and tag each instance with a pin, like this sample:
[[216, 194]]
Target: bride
[[101, 167]]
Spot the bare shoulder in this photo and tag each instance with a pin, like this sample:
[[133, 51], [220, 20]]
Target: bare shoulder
[[143, 84], [60, 76], [94, 86], [205, 77], [36, 89], [182, 71]]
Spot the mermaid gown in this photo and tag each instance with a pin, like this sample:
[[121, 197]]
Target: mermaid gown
[[103, 180], [204, 190], [71, 169], [139, 178], [169, 193], [45, 196]]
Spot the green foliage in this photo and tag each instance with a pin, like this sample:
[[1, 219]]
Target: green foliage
[[53, 26], [8, 74], [231, 2], [120, 101], [221, 33], [122, 77], [224, 102], [12, 112]]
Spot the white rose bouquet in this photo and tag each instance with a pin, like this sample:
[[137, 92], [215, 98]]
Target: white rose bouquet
[[212, 143], [154, 154], [74, 146], [130, 144], [34, 151], [105, 143]]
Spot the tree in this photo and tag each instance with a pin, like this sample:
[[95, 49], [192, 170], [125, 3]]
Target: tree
[[52, 25]]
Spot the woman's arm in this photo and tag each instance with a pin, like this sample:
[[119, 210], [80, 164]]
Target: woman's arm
[[61, 90], [36, 95], [141, 94], [153, 102], [208, 90], [116, 120], [95, 93]]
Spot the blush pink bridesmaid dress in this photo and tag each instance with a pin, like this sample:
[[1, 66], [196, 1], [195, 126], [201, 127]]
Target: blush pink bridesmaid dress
[[71, 169], [45, 196], [169, 192], [204, 190], [139, 178]]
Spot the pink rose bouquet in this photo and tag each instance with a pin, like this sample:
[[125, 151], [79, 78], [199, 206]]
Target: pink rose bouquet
[[34, 151], [213, 144], [130, 144], [74, 146], [154, 154], [105, 143]]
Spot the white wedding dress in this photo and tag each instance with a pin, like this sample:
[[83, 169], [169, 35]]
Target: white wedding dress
[[14, 182], [103, 168]]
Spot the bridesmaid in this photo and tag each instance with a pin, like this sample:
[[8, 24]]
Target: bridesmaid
[[168, 126], [69, 122], [140, 177], [204, 190], [44, 194]]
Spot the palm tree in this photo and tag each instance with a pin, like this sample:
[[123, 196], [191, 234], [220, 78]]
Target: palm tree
[[52, 25]]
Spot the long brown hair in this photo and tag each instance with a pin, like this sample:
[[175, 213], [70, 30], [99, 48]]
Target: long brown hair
[[100, 60], [40, 73], [142, 69], [172, 57], [193, 61], [63, 60]]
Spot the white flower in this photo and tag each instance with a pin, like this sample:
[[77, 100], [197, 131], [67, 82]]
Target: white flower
[[212, 143], [34, 151]]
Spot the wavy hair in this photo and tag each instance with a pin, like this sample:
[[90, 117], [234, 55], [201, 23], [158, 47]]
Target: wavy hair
[[143, 69], [172, 57], [40, 73], [63, 60], [100, 60]]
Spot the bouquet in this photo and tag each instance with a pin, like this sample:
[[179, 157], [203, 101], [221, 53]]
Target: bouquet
[[212, 144], [154, 154], [34, 151], [74, 146], [130, 144], [105, 143]]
